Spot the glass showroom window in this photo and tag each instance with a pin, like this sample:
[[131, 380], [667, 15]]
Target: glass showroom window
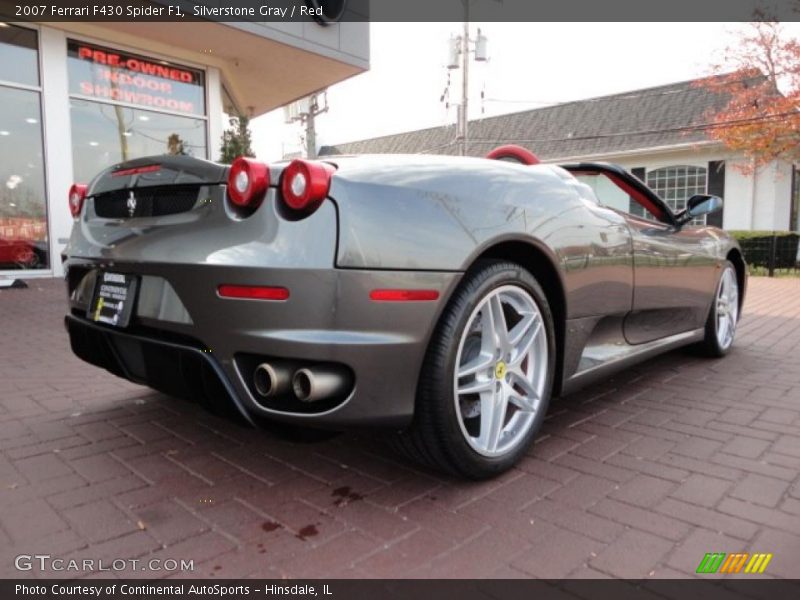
[[229, 108], [677, 184], [124, 106], [23, 209]]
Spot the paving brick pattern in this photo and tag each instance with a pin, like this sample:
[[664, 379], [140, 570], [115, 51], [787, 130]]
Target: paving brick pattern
[[638, 476]]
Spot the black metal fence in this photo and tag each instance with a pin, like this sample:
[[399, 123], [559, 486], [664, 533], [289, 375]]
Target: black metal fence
[[771, 252]]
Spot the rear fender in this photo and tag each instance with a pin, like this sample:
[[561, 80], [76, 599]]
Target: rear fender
[[439, 215]]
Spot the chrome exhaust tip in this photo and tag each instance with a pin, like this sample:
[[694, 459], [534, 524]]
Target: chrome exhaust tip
[[319, 383], [270, 381]]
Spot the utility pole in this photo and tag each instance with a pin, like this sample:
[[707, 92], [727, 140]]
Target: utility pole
[[311, 132], [464, 112], [459, 51], [305, 112]]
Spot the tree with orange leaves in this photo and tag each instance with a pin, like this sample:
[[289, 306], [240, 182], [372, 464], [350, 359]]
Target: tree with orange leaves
[[760, 76]]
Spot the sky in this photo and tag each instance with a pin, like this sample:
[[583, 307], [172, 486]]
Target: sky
[[530, 65]]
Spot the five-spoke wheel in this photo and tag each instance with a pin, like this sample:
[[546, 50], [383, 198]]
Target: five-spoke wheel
[[727, 308], [724, 314], [502, 370], [487, 376]]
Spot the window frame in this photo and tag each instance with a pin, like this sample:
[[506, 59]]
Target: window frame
[[38, 89], [205, 117], [637, 191]]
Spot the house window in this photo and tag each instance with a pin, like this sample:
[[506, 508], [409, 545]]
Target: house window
[[23, 209], [677, 184], [125, 106]]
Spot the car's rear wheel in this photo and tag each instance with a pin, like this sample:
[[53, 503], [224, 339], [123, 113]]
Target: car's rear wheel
[[723, 317], [488, 374]]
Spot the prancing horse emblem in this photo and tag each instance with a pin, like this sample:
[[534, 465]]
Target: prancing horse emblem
[[131, 203]]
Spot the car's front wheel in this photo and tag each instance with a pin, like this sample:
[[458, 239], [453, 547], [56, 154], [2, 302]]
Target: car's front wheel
[[488, 374], [723, 317]]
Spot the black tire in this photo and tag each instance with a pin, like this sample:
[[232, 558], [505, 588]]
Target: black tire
[[710, 346], [435, 437]]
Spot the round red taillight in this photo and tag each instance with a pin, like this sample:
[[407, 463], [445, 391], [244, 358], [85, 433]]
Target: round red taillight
[[77, 194], [305, 184], [248, 179]]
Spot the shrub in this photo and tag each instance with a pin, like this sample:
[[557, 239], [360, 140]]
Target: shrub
[[758, 247]]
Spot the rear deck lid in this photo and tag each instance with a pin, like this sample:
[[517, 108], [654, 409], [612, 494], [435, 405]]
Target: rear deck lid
[[158, 171]]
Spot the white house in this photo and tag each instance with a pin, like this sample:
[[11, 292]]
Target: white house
[[657, 133]]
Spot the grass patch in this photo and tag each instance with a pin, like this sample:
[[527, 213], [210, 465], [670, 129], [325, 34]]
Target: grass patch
[[764, 272]]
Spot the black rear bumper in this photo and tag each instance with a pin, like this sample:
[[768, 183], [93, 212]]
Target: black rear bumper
[[175, 369]]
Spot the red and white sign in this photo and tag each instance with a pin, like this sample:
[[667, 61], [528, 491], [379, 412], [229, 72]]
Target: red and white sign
[[117, 76]]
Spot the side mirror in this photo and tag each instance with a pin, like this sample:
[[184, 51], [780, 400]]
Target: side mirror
[[699, 205]]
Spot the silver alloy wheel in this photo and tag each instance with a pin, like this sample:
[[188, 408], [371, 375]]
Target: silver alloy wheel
[[501, 371], [727, 308]]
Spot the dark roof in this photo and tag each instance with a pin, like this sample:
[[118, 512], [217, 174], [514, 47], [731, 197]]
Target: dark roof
[[666, 115]]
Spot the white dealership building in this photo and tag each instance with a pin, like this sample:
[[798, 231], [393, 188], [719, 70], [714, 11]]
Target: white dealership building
[[79, 96]]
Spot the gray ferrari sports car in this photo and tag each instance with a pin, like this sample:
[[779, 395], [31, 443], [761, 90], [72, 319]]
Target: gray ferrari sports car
[[445, 298]]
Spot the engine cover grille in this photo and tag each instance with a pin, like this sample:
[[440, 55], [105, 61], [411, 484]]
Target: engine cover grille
[[146, 202]]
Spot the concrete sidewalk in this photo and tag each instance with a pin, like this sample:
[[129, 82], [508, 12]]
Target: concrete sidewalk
[[637, 477]]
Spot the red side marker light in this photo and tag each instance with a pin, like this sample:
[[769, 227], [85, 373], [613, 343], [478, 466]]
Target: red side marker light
[[253, 292], [403, 295]]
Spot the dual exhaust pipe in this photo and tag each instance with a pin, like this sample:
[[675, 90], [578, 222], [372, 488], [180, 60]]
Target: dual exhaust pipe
[[309, 384]]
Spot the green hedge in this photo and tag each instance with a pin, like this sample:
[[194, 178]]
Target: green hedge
[[758, 248], [740, 234]]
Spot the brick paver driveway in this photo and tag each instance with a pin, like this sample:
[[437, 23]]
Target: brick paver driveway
[[636, 477]]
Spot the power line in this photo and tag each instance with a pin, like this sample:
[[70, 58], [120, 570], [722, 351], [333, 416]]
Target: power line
[[676, 129], [598, 99], [440, 147], [634, 95], [686, 128]]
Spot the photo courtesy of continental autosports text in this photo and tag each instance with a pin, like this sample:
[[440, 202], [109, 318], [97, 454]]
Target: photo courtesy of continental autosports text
[[176, 590]]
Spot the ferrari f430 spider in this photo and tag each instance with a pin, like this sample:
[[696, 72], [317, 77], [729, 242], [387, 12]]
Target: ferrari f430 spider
[[445, 298]]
